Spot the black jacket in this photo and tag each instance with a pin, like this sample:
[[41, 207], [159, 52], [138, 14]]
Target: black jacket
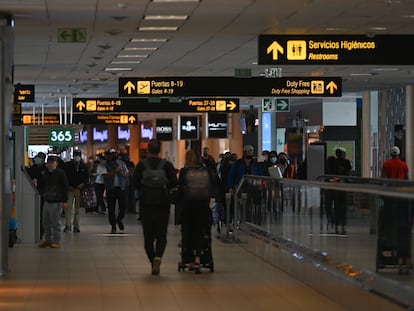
[[54, 186]]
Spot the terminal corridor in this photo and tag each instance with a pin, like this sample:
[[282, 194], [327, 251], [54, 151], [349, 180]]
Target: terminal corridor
[[95, 270]]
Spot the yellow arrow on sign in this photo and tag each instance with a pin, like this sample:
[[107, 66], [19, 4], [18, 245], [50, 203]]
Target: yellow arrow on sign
[[131, 119], [274, 48], [129, 87], [231, 105], [80, 105], [331, 87]]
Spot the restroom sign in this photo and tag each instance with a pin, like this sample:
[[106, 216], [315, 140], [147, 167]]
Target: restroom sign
[[335, 50]]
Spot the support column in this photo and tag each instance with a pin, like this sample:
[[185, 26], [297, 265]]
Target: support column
[[409, 128], [366, 135], [6, 148]]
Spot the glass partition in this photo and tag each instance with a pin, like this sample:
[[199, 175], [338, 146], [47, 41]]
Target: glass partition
[[366, 223]]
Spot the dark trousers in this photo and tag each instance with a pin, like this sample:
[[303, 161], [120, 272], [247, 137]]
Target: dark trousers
[[196, 222], [114, 195], [154, 221], [99, 190], [340, 208]]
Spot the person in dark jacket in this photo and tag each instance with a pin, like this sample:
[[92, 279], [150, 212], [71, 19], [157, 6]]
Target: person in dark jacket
[[196, 214], [53, 187], [154, 215], [246, 165], [77, 174], [115, 180], [36, 171]]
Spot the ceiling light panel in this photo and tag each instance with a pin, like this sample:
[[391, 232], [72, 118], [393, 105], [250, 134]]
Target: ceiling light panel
[[165, 17], [156, 28]]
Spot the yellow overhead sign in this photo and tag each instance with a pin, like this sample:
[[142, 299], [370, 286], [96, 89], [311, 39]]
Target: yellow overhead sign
[[335, 50], [96, 105]]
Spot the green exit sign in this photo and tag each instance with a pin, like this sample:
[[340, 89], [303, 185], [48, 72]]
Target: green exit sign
[[61, 137], [73, 35]]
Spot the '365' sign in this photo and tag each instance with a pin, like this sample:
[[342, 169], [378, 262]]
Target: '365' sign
[[61, 137]]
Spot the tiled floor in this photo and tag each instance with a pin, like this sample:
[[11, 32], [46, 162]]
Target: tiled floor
[[97, 271]]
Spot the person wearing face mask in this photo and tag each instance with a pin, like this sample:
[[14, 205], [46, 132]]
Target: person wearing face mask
[[115, 181], [208, 161], [246, 165], [77, 174], [36, 171], [287, 169], [53, 185]]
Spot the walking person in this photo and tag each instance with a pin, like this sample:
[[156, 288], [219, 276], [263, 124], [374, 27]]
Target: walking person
[[342, 167], [36, 172], [196, 186], [154, 177], [115, 183], [99, 184], [77, 174], [397, 214], [53, 187]]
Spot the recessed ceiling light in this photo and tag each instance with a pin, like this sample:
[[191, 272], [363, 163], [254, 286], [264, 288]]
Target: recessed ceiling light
[[154, 28], [131, 56], [118, 69], [165, 17], [335, 28], [378, 28], [161, 1], [141, 49], [385, 69], [126, 62], [408, 16], [360, 74], [149, 40]]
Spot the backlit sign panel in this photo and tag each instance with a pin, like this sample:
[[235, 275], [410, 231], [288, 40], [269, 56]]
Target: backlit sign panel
[[335, 50], [217, 125], [188, 127], [164, 129]]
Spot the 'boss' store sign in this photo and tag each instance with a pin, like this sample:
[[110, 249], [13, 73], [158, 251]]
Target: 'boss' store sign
[[164, 129]]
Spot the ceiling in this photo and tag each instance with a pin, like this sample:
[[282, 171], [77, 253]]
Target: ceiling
[[217, 37]]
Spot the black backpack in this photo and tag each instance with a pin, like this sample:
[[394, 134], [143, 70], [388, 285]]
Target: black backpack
[[198, 184], [154, 184]]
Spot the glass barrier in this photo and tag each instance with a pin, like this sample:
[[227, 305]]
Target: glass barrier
[[364, 222]]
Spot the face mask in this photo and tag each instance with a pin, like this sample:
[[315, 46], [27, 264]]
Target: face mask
[[273, 160], [205, 154], [249, 156], [37, 160], [77, 158]]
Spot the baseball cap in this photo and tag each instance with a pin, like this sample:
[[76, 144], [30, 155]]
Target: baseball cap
[[395, 150], [77, 152], [51, 158], [112, 150]]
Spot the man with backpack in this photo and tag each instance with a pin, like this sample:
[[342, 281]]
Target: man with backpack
[[154, 177]]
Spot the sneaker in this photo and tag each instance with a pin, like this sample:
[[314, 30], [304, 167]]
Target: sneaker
[[76, 229], [113, 230], [67, 229], [121, 225], [55, 245], [44, 244], [156, 266]]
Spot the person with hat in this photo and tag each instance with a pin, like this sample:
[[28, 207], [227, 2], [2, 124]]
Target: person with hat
[[396, 213], [53, 186], [115, 180], [395, 167], [77, 174]]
